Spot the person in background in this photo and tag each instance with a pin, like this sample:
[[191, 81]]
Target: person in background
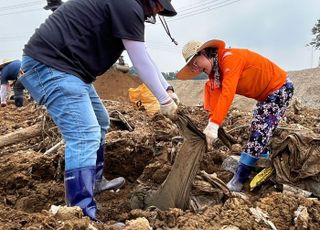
[[79, 41], [10, 70], [239, 71]]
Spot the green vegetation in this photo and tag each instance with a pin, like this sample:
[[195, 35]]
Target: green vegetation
[[316, 32]]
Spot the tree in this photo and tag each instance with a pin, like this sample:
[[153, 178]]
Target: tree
[[316, 32]]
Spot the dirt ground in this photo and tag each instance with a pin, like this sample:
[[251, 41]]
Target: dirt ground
[[31, 179]]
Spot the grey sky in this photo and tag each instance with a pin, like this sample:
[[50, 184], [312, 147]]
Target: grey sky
[[278, 29]]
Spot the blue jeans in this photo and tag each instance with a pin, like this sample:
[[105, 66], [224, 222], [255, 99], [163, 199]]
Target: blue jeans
[[75, 108]]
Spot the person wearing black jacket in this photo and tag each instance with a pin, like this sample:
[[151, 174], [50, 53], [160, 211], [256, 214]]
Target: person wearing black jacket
[[79, 41]]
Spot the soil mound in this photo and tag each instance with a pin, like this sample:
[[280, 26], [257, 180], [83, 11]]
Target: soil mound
[[114, 85]]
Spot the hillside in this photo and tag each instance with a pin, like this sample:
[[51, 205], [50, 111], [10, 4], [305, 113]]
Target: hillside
[[307, 85], [115, 85]]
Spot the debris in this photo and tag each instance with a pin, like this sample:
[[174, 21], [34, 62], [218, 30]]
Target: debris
[[289, 189], [261, 177], [20, 135], [54, 148], [295, 158], [261, 216], [301, 217], [231, 163], [119, 120], [215, 182]]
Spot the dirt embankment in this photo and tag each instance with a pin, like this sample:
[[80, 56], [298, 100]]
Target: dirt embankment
[[114, 86]]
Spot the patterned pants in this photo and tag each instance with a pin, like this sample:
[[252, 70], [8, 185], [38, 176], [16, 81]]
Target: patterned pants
[[266, 117]]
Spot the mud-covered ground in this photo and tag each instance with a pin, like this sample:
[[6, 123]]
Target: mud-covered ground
[[31, 179]]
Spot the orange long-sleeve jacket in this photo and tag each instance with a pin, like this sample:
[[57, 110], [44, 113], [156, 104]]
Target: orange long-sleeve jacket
[[245, 73]]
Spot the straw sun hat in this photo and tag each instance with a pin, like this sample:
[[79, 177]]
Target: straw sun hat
[[190, 50], [5, 61]]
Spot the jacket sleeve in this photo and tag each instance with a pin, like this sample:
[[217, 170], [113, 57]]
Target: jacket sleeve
[[231, 68], [210, 96], [148, 73]]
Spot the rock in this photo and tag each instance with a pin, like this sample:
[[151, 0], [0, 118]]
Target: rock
[[140, 223], [66, 213], [229, 227]]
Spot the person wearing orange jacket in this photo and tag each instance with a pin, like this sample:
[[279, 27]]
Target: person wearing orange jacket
[[234, 71]]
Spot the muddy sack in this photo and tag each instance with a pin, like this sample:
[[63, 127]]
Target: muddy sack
[[296, 161], [174, 192]]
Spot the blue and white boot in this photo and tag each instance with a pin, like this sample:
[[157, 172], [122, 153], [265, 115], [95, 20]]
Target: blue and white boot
[[102, 184], [245, 167]]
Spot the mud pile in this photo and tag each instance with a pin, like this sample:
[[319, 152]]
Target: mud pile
[[31, 177], [114, 85]]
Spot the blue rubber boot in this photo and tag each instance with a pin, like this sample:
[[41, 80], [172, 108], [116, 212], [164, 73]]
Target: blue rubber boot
[[102, 184], [246, 165], [79, 185]]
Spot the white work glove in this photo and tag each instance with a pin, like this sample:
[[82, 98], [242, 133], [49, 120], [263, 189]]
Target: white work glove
[[211, 132], [174, 97], [169, 109]]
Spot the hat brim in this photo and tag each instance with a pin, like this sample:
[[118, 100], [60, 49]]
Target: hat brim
[[52, 7], [168, 11], [5, 63], [186, 72]]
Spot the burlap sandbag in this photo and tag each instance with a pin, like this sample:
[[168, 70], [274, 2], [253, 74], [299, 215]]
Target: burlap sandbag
[[296, 161], [175, 190]]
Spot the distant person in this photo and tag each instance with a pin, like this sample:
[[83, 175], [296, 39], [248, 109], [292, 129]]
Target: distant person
[[11, 70], [239, 71], [79, 41]]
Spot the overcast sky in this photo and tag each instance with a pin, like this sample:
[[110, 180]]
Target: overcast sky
[[277, 29]]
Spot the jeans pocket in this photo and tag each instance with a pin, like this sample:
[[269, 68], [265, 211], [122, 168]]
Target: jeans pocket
[[72, 86], [32, 85]]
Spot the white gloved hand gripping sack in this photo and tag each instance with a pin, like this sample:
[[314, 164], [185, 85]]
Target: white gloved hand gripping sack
[[211, 132]]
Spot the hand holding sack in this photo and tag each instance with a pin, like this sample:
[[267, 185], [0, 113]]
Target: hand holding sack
[[169, 109], [211, 132], [174, 97]]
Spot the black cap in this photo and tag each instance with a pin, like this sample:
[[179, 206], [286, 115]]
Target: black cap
[[168, 11], [52, 4]]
